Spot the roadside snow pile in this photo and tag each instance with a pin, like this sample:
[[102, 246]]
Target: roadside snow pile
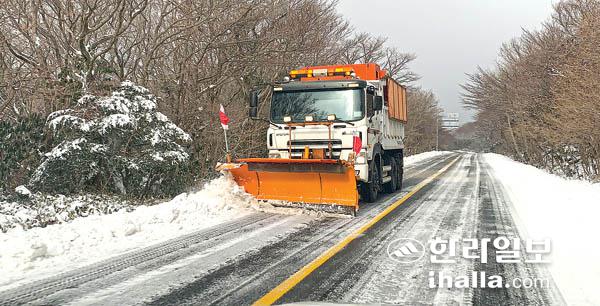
[[39, 210], [41, 252], [566, 211], [413, 159]]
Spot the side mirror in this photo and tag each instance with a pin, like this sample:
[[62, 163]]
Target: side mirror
[[370, 106], [253, 112], [254, 99], [378, 103]]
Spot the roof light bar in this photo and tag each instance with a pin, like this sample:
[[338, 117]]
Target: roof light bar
[[322, 72]]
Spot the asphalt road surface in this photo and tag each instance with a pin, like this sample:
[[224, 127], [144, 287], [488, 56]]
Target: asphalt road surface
[[277, 258]]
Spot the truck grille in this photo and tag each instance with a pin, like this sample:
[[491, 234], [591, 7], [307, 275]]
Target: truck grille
[[299, 144]]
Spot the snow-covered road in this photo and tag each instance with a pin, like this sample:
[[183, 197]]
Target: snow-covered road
[[245, 256]]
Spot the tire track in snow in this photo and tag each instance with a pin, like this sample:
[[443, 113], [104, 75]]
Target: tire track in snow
[[46, 287], [496, 220], [252, 276], [383, 280]]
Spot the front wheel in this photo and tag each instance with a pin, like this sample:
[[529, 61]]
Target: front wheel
[[370, 190]]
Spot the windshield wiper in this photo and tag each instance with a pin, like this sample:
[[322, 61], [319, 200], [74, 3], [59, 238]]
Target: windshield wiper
[[266, 120], [343, 121]]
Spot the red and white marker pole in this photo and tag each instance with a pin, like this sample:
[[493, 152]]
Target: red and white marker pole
[[225, 125]]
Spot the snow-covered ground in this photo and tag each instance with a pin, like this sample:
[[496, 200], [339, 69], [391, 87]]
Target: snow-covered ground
[[567, 212], [39, 252], [413, 159], [35, 253]]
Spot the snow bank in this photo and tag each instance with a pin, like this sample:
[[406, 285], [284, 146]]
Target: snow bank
[[414, 159], [41, 252], [566, 211]]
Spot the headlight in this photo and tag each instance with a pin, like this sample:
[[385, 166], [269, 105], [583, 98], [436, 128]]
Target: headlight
[[274, 155]]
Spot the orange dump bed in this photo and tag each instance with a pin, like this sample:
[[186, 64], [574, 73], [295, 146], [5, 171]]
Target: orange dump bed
[[395, 97]]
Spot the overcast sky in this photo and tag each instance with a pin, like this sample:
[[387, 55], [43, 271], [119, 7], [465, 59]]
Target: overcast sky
[[449, 37]]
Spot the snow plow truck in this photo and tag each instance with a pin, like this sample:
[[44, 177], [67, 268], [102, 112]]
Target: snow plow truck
[[336, 134]]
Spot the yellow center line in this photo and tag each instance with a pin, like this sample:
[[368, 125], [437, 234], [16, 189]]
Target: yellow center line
[[277, 292]]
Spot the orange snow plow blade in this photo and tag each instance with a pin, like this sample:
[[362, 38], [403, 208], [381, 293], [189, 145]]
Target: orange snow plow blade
[[306, 181]]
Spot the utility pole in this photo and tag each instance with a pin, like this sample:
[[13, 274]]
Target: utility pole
[[437, 133]]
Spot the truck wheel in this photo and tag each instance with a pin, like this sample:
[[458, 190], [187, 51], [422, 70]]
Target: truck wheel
[[400, 163], [391, 186], [370, 191]]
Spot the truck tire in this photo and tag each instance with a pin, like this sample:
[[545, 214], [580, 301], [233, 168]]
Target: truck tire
[[370, 191], [391, 186], [400, 163]]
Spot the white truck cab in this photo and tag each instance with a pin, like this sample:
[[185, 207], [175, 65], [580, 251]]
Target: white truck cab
[[346, 108]]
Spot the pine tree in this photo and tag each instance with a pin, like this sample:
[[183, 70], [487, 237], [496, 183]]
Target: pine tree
[[119, 143]]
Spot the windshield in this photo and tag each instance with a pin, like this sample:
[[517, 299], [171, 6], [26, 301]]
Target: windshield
[[346, 104]]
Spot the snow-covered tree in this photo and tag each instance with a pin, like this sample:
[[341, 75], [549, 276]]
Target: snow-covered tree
[[119, 143]]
